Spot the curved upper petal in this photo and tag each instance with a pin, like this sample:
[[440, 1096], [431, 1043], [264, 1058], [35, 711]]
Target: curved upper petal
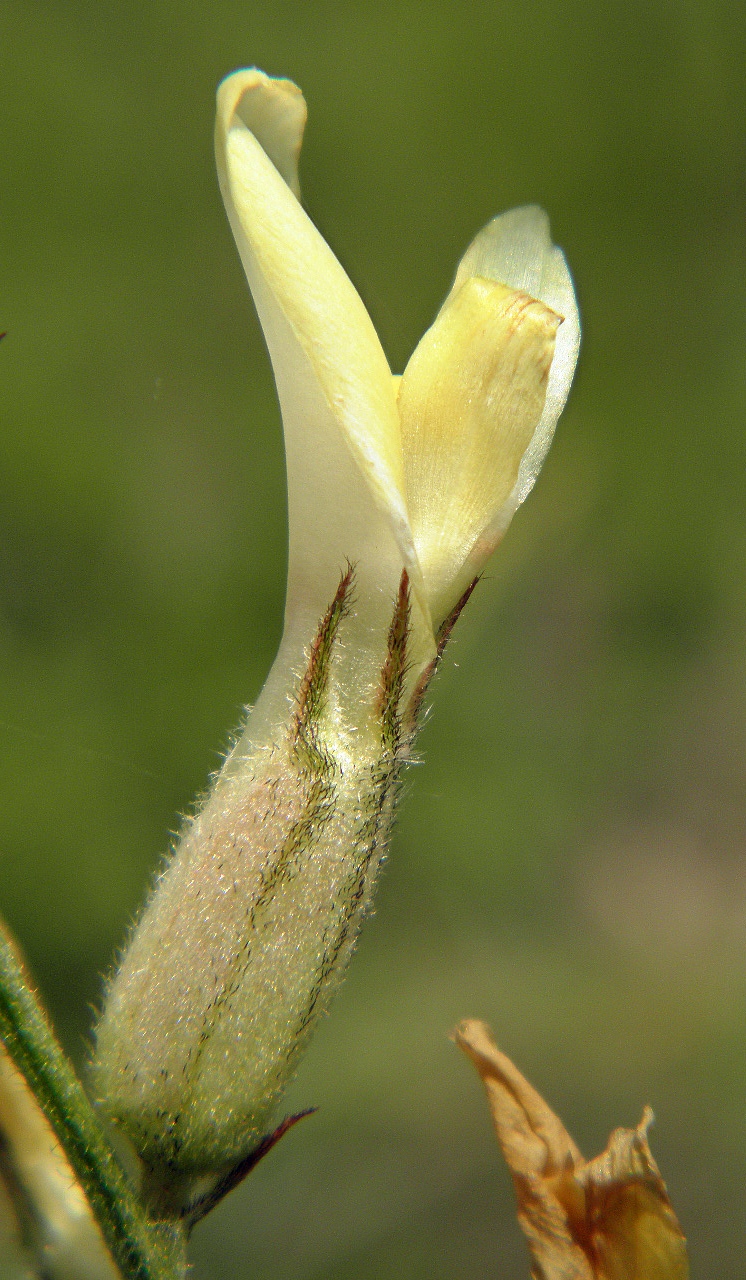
[[342, 438]]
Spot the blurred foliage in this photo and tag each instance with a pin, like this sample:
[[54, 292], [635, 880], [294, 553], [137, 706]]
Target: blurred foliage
[[569, 861]]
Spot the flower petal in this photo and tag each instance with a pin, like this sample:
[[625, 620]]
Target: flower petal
[[635, 1231], [515, 248], [342, 438], [469, 402]]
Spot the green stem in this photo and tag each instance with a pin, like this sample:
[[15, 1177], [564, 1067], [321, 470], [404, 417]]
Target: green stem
[[141, 1249]]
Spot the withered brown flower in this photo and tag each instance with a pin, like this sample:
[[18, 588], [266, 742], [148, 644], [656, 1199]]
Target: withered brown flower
[[603, 1219]]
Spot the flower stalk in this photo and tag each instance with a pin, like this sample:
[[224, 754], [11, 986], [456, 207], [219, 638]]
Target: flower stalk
[[142, 1250]]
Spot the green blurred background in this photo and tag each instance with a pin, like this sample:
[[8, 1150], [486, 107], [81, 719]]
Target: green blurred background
[[569, 859]]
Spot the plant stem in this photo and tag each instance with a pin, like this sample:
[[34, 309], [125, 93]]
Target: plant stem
[[141, 1249]]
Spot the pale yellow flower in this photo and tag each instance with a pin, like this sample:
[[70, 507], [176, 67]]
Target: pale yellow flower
[[398, 492], [428, 480]]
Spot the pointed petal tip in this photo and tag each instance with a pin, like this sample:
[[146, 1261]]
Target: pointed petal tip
[[516, 249], [469, 402]]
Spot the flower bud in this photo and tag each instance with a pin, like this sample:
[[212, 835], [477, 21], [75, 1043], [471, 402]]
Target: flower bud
[[253, 919]]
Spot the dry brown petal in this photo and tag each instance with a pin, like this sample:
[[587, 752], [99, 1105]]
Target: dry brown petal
[[603, 1219]]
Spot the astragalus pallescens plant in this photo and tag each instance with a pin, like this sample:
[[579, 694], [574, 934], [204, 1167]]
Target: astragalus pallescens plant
[[399, 491]]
